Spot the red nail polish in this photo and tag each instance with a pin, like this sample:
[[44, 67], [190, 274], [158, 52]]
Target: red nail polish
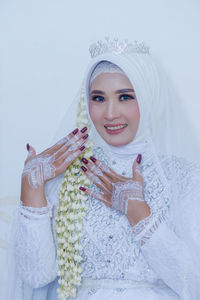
[[85, 136], [82, 188], [27, 147], [139, 158], [82, 148], [84, 129], [84, 168], [93, 159], [84, 160], [75, 131]]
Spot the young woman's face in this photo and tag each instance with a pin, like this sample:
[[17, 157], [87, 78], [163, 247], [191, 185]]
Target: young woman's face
[[114, 108]]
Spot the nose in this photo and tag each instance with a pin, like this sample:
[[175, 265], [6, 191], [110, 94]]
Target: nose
[[112, 110]]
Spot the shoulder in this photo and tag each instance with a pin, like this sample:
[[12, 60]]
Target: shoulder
[[181, 172]]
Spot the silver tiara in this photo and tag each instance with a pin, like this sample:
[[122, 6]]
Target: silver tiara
[[117, 47]]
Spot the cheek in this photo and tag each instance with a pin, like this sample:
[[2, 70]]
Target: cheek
[[95, 113], [133, 114]]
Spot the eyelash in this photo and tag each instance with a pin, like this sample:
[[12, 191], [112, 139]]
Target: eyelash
[[130, 97]]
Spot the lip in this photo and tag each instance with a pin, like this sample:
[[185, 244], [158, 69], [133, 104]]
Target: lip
[[114, 125], [117, 131]]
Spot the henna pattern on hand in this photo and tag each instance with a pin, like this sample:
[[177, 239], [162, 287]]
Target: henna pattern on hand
[[123, 192]]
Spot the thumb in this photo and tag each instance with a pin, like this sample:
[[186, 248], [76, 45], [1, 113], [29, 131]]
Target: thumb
[[137, 176], [31, 152]]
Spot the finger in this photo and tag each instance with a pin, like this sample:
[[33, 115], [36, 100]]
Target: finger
[[71, 146], [74, 140], [31, 153], [60, 143], [74, 143], [97, 181], [66, 160], [96, 195], [111, 175], [137, 175], [76, 134], [92, 177], [98, 172]]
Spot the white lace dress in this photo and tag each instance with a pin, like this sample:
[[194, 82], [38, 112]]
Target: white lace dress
[[157, 259]]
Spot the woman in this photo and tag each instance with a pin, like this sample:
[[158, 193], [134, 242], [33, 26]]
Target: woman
[[139, 238]]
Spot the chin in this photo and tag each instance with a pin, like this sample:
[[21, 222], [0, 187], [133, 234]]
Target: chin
[[117, 143]]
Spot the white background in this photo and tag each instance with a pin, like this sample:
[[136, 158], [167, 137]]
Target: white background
[[44, 54]]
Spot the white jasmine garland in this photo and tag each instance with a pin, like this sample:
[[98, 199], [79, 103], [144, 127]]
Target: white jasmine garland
[[71, 210]]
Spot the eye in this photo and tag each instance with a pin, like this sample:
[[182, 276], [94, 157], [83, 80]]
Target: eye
[[98, 98], [126, 97]]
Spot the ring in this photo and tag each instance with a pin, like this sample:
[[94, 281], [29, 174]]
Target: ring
[[138, 170]]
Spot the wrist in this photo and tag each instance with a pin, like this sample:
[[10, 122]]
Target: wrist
[[34, 197], [26, 184], [139, 216]]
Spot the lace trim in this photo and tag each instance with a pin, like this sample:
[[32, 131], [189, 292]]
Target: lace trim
[[35, 213], [144, 229], [35, 254]]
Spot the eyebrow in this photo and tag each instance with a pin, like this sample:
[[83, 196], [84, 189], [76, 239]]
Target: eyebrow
[[124, 91], [117, 92]]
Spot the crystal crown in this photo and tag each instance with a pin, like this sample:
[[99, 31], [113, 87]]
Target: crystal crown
[[117, 47]]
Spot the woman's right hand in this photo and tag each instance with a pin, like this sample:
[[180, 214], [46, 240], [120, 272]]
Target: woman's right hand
[[53, 161]]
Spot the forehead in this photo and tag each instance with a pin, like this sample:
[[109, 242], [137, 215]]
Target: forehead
[[110, 81]]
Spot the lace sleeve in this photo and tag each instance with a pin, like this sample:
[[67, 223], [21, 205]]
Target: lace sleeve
[[170, 241], [35, 213], [35, 247], [175, 261], [144, 229]]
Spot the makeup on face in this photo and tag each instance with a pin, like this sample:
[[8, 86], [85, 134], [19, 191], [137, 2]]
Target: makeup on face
[[113, 108]]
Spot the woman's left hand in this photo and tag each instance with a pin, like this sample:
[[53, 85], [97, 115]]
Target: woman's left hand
[[119, 192]]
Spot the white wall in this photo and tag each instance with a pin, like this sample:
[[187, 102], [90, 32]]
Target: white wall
[[44, 53]]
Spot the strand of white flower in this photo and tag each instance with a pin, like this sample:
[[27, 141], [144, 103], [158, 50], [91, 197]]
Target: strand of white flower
[[70, 213], [70, 207]]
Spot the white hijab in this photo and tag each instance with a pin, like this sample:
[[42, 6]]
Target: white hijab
[[163, 125], [140, 70], [133, 148]]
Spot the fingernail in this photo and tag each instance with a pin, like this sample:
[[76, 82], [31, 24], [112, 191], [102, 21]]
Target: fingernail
[[84, 160], [83, 168], [75, 131], [82, 148], [139, 158], [84, 129], [93, 159], [82, 188], [27, 147], [85, 136]]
